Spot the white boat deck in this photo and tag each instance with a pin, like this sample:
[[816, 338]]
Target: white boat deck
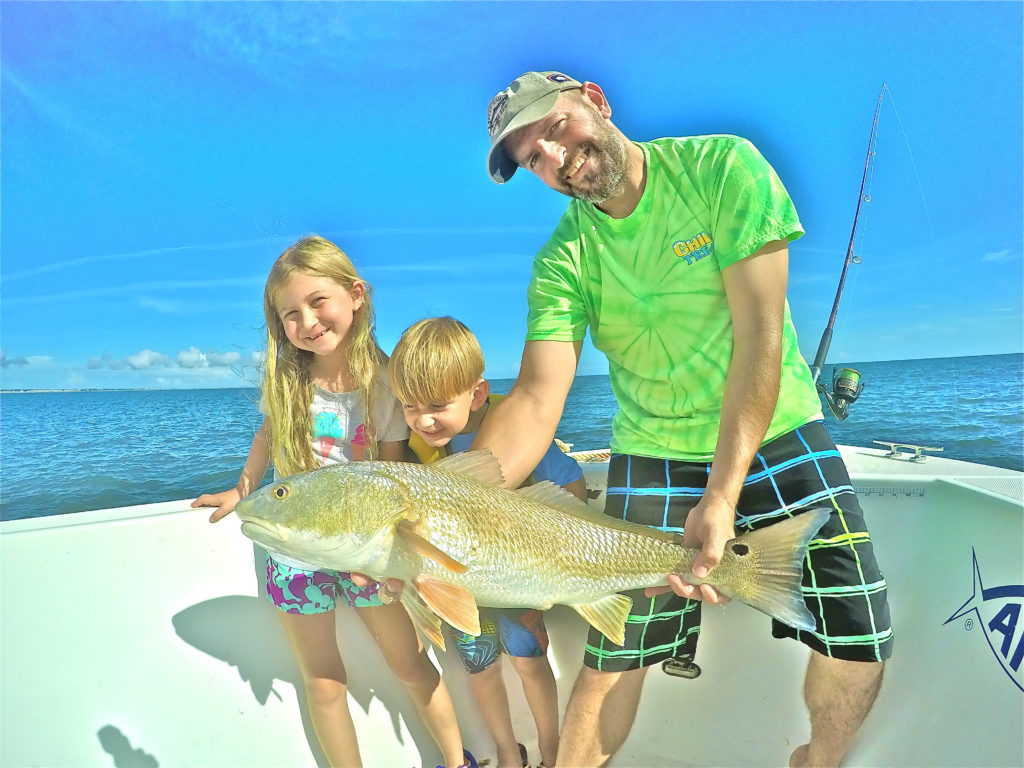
[[137, 637]]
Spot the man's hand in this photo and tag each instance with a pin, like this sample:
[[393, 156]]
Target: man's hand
[[225, 503], [709, 525]]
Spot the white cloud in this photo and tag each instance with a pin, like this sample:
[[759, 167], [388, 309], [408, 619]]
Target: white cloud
[[222, 360], [997, 256], [7, 362], [147, 358], [265, 36], [145, 253], [191, 358], [163, 306], [167, 285]]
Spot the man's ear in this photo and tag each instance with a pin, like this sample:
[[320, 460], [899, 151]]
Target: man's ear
[[480, 393], [592, 92]]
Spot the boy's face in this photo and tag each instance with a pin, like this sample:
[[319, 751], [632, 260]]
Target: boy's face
[[438, 423]]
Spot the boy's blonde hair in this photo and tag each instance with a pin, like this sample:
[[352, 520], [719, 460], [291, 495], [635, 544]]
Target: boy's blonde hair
[[435, 360], [287, 384]]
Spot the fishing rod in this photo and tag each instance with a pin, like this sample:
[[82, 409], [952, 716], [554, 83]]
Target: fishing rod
[[846, 382]]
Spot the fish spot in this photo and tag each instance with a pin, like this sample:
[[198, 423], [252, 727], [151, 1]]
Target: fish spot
[[740, 549]]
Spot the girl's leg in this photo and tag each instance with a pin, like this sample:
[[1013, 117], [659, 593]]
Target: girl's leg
[[542, 696], [394, 633], [313, 640]]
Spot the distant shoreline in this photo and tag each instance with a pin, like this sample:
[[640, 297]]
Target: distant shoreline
[[89, 389], [827, 365]]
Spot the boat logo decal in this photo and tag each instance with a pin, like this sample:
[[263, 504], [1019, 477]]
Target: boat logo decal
[[694, 249], [998, 610]]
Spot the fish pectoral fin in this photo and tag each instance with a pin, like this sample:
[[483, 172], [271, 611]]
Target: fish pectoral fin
[[481, 465], [424, 619], [406, 531], [454, 604], [608, 616]]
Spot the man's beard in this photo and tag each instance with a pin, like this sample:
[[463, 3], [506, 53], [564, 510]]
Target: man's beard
[[608, 179]]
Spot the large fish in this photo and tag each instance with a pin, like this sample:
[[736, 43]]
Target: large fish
[[458, 541]]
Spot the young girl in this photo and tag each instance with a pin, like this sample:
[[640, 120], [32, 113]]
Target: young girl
[[325, 402]]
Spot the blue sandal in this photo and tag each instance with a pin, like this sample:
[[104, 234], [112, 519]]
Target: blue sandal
[[470, 761]]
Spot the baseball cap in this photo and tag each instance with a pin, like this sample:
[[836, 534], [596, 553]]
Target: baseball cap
[[527, 99]]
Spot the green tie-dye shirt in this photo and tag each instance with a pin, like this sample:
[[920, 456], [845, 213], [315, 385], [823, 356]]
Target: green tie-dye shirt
[[650, 289]]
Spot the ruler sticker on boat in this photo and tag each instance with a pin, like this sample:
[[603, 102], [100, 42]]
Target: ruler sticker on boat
[[910, 491], [998, 612]]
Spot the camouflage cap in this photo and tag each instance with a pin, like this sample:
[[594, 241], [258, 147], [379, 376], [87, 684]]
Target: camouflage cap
[[527, 99]]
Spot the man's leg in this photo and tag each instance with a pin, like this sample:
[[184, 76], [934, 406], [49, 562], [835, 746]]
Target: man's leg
[[839, 694], [843, 587], [604, 700], [599, 716]]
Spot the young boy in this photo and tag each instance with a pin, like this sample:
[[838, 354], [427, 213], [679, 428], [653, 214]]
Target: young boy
[[436, 373]]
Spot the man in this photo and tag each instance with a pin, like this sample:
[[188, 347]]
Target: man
[[674, 254]]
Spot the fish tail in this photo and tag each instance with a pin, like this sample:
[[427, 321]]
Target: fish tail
[[773, 567]]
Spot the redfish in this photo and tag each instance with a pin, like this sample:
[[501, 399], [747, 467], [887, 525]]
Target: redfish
[[458, 541]]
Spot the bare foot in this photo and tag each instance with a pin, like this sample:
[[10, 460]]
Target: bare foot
[[799, 757]]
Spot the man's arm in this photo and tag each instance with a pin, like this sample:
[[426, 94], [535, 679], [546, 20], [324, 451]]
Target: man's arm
[[522, 425], [755, 288]]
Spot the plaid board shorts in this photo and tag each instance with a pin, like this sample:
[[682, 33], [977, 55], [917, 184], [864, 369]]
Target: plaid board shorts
[[294, 590], [843, 587]]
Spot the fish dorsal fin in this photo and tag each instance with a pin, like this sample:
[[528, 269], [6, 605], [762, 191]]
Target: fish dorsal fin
[[481, 465], [425, 620], [555, 496], [608, 616], [453, 604], [406, 532]]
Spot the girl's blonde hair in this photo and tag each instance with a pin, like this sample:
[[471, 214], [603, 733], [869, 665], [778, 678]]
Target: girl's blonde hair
[[287, 383], [435, 360]]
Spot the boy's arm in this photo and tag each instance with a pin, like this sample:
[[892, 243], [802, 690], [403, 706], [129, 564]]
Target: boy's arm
[[577, 488], [255, 468], [393, 451], [521, 427]]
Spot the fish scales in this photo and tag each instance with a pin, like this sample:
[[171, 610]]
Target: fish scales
[[523, 553]]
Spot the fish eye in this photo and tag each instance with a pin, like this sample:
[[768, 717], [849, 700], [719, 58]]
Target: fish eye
[[280, 492], [740, 549]]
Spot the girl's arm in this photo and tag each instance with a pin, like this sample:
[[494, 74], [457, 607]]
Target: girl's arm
[[255, 467]]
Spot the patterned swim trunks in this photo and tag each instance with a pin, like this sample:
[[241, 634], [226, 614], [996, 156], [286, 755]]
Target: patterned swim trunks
[[518, 631], [295, 590], [842, 586]]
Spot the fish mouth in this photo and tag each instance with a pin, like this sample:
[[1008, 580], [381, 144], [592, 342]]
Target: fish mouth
[[262, 530]]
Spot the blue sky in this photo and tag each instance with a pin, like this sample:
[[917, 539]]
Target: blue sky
[[157, 157]]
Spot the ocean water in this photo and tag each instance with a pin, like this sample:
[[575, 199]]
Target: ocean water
[[66, 452]]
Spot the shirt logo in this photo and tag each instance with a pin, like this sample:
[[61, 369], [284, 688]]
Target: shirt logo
[[998, 611], [495, 111], [694, 249]]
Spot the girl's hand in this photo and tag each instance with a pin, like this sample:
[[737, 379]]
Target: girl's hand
[[389, 590], [224, 502]]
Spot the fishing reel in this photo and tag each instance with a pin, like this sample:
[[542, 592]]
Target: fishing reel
[[846, 388]]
